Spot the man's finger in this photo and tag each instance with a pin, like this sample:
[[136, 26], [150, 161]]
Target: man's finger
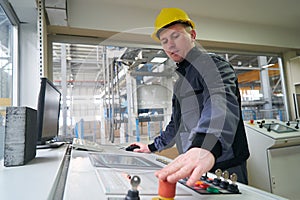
[[195, 176], [183, 172]]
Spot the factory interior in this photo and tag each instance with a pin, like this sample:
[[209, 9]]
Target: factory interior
[[116, 82]]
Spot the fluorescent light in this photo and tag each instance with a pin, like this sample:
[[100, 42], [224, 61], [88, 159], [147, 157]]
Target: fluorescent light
[[266, 66], [158, 59]]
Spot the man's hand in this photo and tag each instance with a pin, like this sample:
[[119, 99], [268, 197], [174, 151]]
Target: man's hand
[[193, 164]]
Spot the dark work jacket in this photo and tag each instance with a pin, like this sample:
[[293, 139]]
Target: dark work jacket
[[206, 111]]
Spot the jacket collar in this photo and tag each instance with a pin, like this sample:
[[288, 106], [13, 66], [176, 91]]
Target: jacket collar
[[181, 66]]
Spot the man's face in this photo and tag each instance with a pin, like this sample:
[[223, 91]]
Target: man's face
[[177, 42]]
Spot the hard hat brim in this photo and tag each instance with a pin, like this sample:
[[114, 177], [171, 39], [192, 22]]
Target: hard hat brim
[[155, 34]]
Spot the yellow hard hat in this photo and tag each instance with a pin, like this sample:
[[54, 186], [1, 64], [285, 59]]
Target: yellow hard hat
[[168, 16]]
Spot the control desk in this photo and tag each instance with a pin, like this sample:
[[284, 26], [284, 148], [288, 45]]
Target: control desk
[[274, 156], [71, 174], [106, 174]]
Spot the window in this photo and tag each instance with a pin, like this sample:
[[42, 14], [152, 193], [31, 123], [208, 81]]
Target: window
[[7, 35], [260, 84]]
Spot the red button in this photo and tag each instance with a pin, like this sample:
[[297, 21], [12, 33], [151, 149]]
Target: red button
[[204, 186]]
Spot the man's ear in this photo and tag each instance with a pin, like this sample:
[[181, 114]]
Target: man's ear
[[193, 34]]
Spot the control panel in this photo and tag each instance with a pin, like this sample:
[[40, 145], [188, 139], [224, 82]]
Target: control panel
[[218, 183], [275, 129], [223, 183]]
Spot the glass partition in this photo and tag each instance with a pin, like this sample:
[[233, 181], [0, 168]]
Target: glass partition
[[122, 94], [6, 70]]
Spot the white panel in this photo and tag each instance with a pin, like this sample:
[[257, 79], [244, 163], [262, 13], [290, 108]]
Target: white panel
[[258, 172], [29, 71], [284, 171]]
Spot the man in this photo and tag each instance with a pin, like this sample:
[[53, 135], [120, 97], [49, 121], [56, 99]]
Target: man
[[206, 122]]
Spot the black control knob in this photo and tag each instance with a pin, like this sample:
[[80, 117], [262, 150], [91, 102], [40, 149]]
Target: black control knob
[[261, 125], [233, 186], [217, 180], [224, 184]]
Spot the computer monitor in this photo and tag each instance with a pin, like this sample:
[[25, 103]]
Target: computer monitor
[[48, 112]]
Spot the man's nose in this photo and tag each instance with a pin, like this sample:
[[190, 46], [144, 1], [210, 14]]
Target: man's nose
[[171, 45]]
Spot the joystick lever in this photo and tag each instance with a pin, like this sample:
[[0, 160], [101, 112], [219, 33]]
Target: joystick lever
[[133, 194]]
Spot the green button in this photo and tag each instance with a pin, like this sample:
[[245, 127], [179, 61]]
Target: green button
[[212, 190]]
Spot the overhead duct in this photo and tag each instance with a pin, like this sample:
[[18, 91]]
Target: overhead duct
[[57, 12]]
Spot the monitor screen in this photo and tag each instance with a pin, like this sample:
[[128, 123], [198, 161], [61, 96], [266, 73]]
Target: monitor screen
[[48, 111]]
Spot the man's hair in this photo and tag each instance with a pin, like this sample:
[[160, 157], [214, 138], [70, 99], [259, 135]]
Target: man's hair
[[187, 25]]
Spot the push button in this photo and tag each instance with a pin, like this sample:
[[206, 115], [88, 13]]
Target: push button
[[213, 190], [204, 186]]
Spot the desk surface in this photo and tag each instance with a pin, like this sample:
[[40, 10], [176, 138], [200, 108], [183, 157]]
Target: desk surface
[[35, 180], [82, 181]]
